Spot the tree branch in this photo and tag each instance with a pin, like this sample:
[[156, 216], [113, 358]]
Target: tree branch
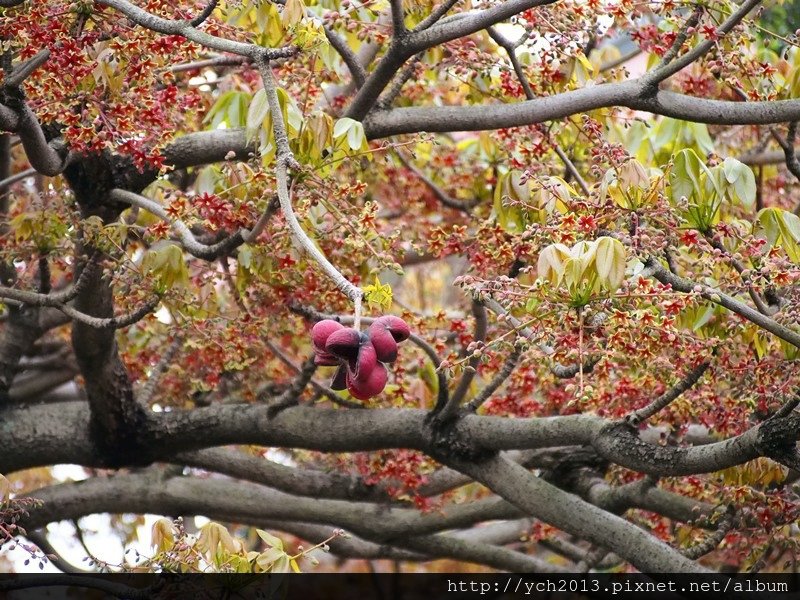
[[187, 239], [284, 159], [665, 399], [630, 94], [188, 30], [436, 14], [669, 68], [541, 500], [686, 286]]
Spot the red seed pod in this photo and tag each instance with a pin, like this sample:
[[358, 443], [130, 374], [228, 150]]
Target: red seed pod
[[364, 364], [324, 359], [322, 331], [395, 325], [344, 344], [372, 386], [381, 338]]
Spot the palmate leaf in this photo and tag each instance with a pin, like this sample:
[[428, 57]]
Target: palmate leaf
[[610, 262], [781, 228]]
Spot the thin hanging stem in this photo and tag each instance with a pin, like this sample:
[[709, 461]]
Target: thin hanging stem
[[283, 160], [580, 348]]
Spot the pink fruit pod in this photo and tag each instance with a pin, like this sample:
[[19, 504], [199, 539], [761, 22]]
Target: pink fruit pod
[[371, 386], [323, 359], [383, 342], [385, 333], [344, 344], [364, 363], [322, 331], [395, 325]]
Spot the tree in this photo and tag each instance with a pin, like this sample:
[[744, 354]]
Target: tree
[[187, 188]]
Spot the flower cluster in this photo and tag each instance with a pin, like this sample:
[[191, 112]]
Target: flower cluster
[[360, 356]]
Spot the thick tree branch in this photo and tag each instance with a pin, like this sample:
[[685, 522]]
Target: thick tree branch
[[146, 492], [630, 94], [42, 435], [541, 500]]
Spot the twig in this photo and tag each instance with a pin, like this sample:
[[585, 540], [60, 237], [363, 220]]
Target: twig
[[26, 69], [150, 386], [669, 396], [510, 49], [790, 157], [200, 19], [664, 71], [323, 389], [186, 29], [291, 396], [449, 410], [762, 306], [683, 34], [496, 382], [717, 297], [218, 61], [397, 84], [436, 14], [187, 239], [355, 67], [724, 525], [9, 181], [250, 236], [440, 194], [117, 322]]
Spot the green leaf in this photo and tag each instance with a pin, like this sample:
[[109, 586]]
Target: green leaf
[[270, 540], [353, 130], [552, 262], [700, 134], [256, 113], [356, 137], [168, 266], [685, 175], [769, 219], [704, 316], [342, 126], [740, 178], [792, 223], [610, 262], [782, 229], [5, 489]]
